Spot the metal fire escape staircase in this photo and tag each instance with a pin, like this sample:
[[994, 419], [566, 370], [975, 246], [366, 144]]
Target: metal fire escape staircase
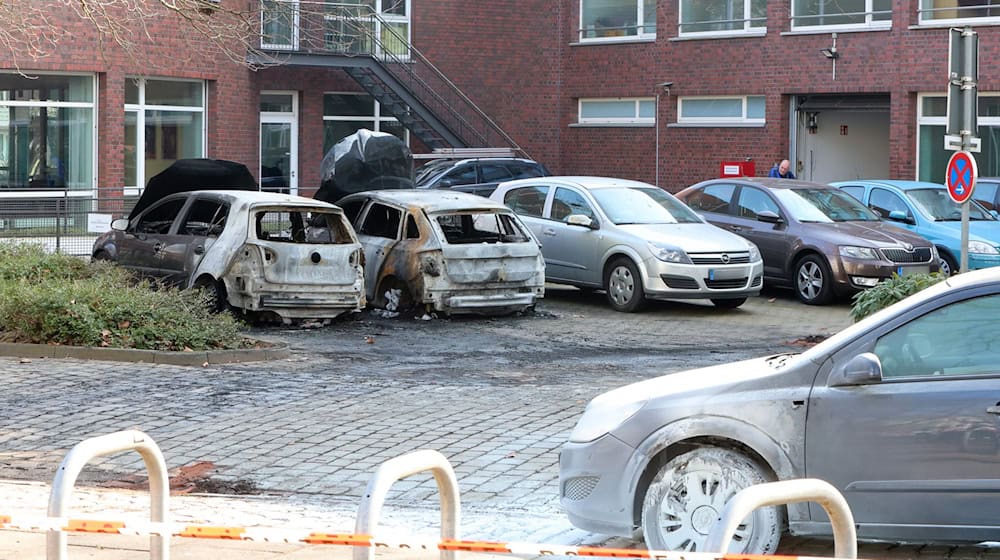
[[387, 66]]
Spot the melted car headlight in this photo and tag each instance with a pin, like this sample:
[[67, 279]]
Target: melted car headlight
[[982, 248], [603, 415], [853, 252], [669, 254], [754, 253]]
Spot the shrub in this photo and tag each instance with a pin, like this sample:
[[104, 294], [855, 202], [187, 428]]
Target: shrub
[[890, 291], [58, 299]]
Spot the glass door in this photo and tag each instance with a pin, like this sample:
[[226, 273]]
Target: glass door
[[279, 142]]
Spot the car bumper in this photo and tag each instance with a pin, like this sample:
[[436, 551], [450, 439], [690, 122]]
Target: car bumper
[[306, 304], [688, 281], [979, 260], [485, 300], [854, 275], [597, 500]]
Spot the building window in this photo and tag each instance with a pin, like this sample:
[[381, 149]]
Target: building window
[[164, 122], [346, 113], [350, 27], [619, 110], [47, 134], [932, 121], [723, 17], [959, 11], [605, 20], [729, 111], [841, 14], [279, 24]]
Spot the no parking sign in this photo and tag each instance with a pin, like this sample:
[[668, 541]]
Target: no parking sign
[[960, 176]]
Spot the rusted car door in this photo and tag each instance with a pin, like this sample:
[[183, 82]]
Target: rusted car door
[[183, 250], [379, 232], [141, 247]]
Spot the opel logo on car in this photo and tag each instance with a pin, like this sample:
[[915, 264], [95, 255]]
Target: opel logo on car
[[724, 258]]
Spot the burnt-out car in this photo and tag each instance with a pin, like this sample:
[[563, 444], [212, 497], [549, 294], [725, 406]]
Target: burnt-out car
[[453, 252], [262, 253]]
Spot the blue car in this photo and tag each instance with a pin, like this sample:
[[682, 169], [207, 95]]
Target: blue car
[[927, 210]]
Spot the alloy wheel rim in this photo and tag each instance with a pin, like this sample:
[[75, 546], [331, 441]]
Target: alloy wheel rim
[[944, 266], [621, 285], [810, 280], [692, 505]]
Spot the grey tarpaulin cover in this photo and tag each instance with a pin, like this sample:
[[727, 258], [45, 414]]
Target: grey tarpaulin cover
[[365, 161], [195, 174]]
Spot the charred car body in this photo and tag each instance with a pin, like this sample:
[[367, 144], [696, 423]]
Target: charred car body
[[258, 252], [451, 251]]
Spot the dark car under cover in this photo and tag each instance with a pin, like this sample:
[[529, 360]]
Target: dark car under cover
[[192, 175], [365, 161]]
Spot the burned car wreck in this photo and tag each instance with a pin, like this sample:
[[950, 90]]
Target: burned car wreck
[[268, 255], [452, 252]]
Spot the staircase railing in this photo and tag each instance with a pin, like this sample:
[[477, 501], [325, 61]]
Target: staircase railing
[[350, 29]]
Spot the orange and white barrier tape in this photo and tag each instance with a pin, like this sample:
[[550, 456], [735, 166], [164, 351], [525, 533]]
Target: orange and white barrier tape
[[291, 536]]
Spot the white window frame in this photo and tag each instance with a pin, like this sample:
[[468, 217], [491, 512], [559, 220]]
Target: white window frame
[[869, 25], [982, 121], [641, 22], [635, 119], [743, 120], [747, 29], [921, 11], [94, 148], [140, 109], [376, 116]]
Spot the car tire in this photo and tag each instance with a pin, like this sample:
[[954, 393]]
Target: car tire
[[946, 263], [813, 281], [215, 298], [732, 303], [103, 256], [687, 495], [624, 286]]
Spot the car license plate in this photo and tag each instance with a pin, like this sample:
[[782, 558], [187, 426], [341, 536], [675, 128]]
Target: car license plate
[[726, 273], [908, 270]]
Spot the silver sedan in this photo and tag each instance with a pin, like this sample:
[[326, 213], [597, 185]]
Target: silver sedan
[[901, 412], [633, 240]]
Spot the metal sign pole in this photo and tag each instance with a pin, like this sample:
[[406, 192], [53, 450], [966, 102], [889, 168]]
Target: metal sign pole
[[964, 266]]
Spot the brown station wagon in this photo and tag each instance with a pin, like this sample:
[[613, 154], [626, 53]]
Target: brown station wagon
[[814, 238]]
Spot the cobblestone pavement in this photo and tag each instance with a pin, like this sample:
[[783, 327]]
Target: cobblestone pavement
[[497, 396]]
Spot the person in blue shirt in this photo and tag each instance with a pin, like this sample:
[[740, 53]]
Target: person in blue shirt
[[782, 170]]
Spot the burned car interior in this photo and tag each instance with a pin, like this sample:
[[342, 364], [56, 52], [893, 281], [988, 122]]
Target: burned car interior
[[301, 227], [480, 227]]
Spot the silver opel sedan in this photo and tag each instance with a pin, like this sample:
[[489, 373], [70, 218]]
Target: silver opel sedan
[[900, 412], [633, 240]]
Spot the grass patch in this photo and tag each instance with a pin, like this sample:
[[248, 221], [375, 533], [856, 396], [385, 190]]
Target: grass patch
[[58, 299]]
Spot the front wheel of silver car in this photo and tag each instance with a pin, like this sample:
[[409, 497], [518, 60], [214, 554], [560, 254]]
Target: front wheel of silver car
[[688, 494], [624, 286]]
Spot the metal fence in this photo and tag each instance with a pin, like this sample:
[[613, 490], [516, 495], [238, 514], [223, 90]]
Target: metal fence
[[63, 221]]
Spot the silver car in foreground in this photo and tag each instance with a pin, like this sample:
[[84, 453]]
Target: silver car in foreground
[[633, 240], [901, 412], [262, 253]]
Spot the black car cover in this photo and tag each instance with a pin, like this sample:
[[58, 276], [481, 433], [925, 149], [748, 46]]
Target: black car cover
[[194, 175], [365, 161]]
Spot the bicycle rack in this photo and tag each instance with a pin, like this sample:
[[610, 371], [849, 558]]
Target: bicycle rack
[[845, 539], [80, 455], [401, 467]]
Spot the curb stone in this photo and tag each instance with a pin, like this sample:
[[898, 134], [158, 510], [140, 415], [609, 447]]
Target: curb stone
[[277, 351]]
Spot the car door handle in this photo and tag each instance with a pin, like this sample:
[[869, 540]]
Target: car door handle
[[157, 247], [735, 228], [993, 409], [548, 231], [199, 249]]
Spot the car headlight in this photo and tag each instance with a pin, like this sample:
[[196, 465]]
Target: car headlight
[[603, 415], [669, 254], [853, 252], [982, 248], [754, 253]]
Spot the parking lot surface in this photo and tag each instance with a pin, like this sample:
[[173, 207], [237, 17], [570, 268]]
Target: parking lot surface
[[496, 396]]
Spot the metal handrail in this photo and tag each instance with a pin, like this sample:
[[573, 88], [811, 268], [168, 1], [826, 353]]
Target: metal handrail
[[369, 34], [402, 467], [80, 455], [845, 538]]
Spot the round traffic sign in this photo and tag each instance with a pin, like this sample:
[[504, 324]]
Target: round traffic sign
[[960, 176]]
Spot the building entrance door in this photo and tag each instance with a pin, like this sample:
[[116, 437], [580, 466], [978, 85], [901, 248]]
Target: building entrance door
[[838, 138], [279, 142]]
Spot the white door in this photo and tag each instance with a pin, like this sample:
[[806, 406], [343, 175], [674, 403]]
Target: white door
[[279, 141]]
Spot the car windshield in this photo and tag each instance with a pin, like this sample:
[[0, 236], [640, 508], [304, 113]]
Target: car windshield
[[481, 227], [625, 205], [937, 204], [823, 205]]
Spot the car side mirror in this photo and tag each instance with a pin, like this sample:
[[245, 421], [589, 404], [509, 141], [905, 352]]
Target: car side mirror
[[581, 220], [121, 224], [863, 369], [994, 213], [769, 217], [899, 216], [445, 183]]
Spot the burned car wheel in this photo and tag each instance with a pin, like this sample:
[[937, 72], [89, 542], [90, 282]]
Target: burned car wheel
[[688, 494], [215, 294], [624, 287], [102, 256]]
